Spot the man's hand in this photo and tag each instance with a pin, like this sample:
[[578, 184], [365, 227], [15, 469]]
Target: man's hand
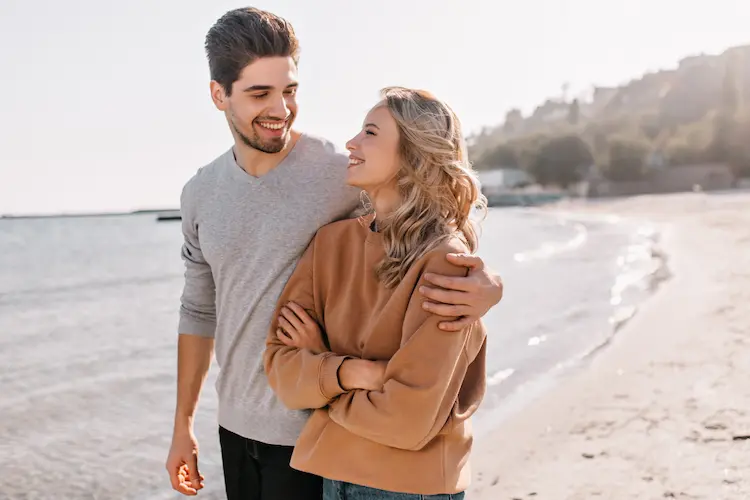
[[467, 298], [182, 463], [362, 374], [298, 329]]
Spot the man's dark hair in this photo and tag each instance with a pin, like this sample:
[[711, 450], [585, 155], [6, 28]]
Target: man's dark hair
[[242, 36]]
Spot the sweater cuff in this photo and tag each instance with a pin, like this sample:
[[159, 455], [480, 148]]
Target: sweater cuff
[[328, 376], [193, 326]]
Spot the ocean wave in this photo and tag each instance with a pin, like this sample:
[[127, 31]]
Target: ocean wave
[[641, 266], [20, 295], [499, 376], [550, 249]]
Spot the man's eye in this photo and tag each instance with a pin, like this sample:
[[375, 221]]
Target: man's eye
[[260, 96], [291, 92]]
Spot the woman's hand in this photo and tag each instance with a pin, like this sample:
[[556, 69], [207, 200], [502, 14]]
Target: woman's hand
[[298, 329], [362, 374]]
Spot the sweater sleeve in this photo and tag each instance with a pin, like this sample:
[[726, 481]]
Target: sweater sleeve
[[301, 379], [422, 380], [198, 299]]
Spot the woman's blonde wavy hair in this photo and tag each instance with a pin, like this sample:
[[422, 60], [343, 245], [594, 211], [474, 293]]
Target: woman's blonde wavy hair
[[436, 183]]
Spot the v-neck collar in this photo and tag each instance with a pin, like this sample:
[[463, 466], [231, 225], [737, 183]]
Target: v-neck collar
[[241, 175]]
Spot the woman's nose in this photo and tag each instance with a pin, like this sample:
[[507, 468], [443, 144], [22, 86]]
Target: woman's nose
[[351, 144]]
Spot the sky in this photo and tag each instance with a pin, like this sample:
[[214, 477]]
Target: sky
[[104, 106]]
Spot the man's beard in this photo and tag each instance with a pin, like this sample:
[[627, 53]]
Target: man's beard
[[269, 146]]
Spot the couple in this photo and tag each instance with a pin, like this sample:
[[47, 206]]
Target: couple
[[356, 338]]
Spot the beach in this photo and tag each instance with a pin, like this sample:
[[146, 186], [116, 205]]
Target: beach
[[578, 406], [663, 411]]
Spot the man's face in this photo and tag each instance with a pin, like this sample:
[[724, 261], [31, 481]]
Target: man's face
[[263, 103]]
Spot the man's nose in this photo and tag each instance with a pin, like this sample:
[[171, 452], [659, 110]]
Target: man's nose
[[280, 109]]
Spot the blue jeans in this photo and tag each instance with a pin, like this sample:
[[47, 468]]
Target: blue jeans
[[337, 490]]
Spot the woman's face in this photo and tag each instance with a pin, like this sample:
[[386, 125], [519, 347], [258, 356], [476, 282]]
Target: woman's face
[[374, 160]]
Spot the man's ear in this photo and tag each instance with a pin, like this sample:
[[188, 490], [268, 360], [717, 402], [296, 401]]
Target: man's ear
[[218, 96]]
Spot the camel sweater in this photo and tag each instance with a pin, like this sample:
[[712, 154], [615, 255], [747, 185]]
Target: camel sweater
[[414, 435]]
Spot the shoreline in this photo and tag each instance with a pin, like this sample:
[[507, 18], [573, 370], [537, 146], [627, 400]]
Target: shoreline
[[632, 422], [85, 215], [523, 393]]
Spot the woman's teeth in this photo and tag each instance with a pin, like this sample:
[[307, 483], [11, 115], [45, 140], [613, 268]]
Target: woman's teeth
[[355, 161]]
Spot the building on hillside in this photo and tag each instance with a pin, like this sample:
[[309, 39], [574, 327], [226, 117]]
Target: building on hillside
[[500, 180], [513, 187]]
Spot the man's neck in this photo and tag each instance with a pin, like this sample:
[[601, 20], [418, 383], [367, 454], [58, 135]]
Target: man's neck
[[257, 163]]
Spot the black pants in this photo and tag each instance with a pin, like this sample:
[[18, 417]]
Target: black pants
[[259, 471]]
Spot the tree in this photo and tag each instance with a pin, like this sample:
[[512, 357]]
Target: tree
[[502, 156], [527, 148], [561, 161], [721, 146], [650, 125], [691, 143], [739, 147], [574, 112], [680, 152], [513, 122], [626, 159], [730, 92]]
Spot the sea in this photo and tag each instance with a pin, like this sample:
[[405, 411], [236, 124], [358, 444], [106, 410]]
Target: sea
[[88, 316]]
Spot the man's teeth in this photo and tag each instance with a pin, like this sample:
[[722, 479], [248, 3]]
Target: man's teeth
[[272, 126]]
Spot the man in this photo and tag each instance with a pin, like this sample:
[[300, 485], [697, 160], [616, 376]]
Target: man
[[247, 217]]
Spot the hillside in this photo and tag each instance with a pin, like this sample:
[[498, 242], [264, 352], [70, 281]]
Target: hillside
[[697, 112]]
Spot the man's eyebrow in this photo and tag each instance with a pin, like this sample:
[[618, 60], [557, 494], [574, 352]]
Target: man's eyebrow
[[256, 88], [253, 88]]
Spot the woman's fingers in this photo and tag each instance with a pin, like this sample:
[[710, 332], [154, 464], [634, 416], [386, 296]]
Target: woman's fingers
[[300, 312], [288, 328], [292, 318], [285, 339]]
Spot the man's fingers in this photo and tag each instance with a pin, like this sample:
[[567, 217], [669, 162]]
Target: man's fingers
[[185, 489], [300, 312], [292, 318], [174, 478], [181, 483], [455, 326], [456, 283], [175, 472], [446, 310], [193, 471], [444, 296], [466, 260]]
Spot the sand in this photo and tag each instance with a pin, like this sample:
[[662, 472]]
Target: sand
[[664, 411]]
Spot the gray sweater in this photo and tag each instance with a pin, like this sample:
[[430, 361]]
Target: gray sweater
[[243, 238]]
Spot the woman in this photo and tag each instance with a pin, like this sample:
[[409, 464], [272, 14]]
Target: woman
[[392, 392]]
